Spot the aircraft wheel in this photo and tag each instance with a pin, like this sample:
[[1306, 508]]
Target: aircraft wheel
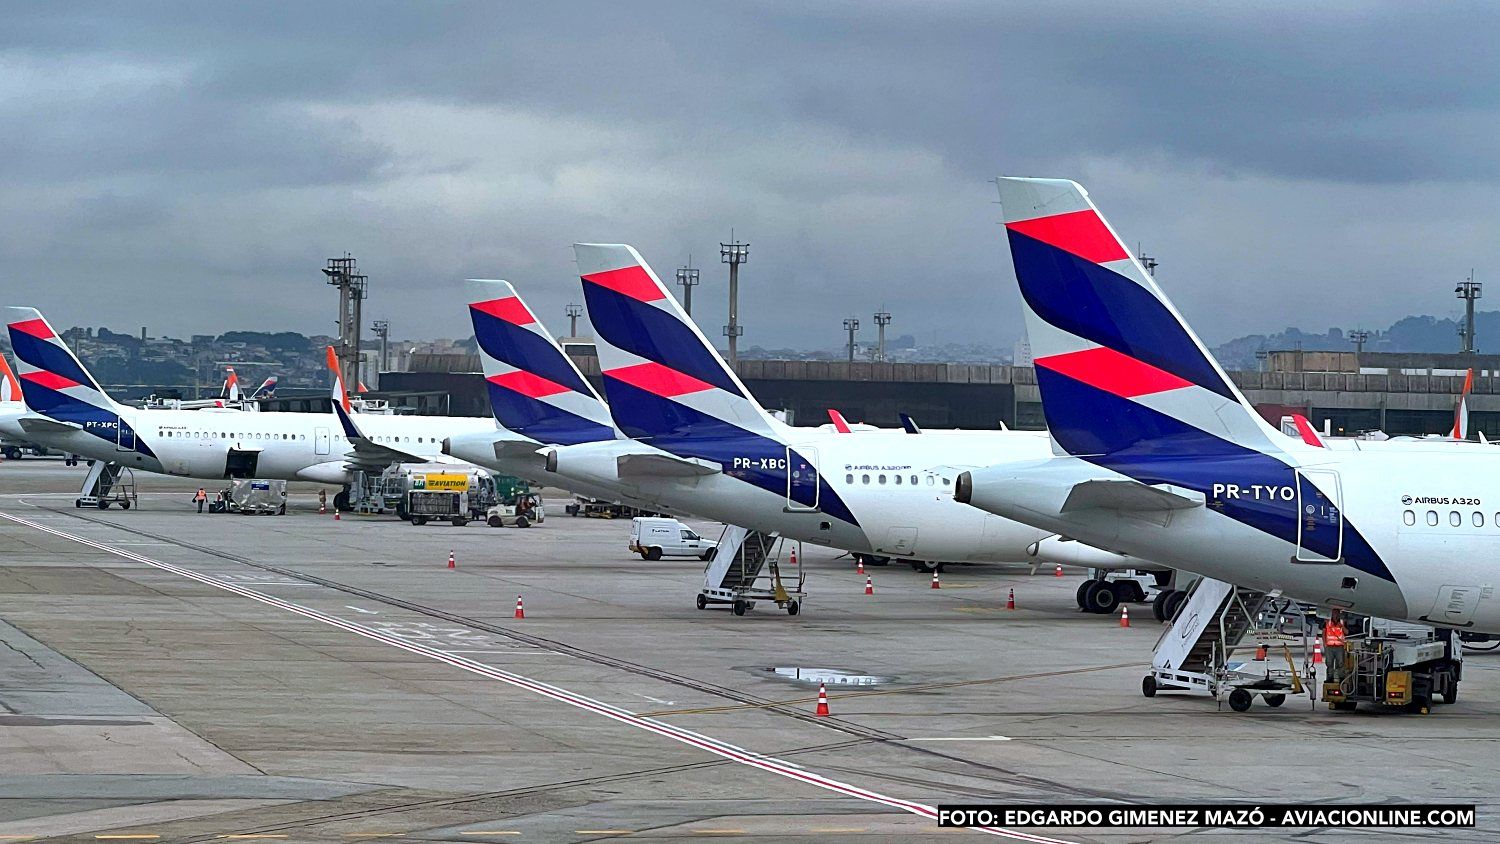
[[1148, 686], [1240, 700], [1101, 598], [1083, 589], [701, 601], [1159, 603], [1173, 604], [925, 566]]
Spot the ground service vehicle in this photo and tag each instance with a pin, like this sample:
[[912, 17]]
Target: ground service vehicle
[[256, 496], [521, 511], [424, 505], [654, 538]]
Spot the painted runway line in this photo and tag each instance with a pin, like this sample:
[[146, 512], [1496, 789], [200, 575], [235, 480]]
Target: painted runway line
[[706, 743]]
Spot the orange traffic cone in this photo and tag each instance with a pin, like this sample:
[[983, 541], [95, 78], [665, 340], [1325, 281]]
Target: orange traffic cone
[[520, 608], [1318, 651], [1057, 572], [1260, 652], [1124, 616], [336, 516], [322, 509], [869, 585], [859, 565], [822, 699], [793, 558], [935, 581], [452, 563], [1010, 603]]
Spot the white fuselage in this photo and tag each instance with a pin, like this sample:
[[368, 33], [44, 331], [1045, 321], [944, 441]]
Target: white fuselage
[[1409, 530], [897, 487], [285, 446]]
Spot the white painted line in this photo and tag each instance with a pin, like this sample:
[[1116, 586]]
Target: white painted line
[[360, 609], [706, 743], [961, 738]]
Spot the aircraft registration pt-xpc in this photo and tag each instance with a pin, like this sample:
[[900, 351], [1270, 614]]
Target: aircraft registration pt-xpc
[[1160, 456], [66, 409]]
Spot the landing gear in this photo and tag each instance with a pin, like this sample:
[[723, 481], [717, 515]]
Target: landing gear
[[1100, 597], [872, 560], [926, 567], [1167, 603]]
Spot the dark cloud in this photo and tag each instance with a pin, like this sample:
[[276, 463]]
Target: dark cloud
[[1288, 164]]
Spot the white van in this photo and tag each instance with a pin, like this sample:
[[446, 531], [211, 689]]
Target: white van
[[655, 537]]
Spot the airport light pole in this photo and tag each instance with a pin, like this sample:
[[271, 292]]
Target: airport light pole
[[574, 312], [851, 325], [344, 274], [1147, 261], [382, 329], [882, 319], [1468, 290], [1358, 337], [734, 254], [687, 278]]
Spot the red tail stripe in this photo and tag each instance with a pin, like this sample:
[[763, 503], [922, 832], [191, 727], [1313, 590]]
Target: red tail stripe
[[511, 309], [50, 380], [656, 378], [527, 384], [1306, 431], [1079, 232], [633, 281], [1114, 372], [35, 327]]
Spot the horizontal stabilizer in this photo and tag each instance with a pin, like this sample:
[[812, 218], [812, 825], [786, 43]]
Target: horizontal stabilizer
[[1129, 495], [44, 425], [664, 466]]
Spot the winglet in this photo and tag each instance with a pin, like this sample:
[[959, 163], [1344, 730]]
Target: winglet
[[1461, 412], [231, 385], [910, 424], [10, 388], [1306, 431], [839, 423], [340, 395]]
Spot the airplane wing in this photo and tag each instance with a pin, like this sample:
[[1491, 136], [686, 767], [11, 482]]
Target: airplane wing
[[44, 425], [664, 466], [367, 454], [1103, 494]]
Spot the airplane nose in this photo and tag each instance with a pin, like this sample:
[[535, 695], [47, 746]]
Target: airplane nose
[[963, 488]]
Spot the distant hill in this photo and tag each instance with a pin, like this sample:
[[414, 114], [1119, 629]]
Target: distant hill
[[1409, 334]]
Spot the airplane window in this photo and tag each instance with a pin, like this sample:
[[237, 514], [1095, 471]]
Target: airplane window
[[1478, 519], [1454, 518], [898, 480], [882, 480], [913, 480], [1432, 517], [946, 482], [929, 480], [1409, 517], [864, 479], [849, 479]]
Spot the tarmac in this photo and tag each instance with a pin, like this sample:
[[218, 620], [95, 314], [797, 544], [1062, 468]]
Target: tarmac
[[170, 676]]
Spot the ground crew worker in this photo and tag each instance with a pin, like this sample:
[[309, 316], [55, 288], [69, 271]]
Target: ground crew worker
[[1334, 640], [201, 497]]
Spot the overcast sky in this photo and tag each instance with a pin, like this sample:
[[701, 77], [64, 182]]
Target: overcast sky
[[190, 167]]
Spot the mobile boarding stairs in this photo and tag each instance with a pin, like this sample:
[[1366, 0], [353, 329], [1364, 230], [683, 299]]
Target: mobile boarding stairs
[[747, 567]]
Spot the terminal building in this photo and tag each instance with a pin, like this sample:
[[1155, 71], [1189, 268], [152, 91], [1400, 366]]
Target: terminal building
[[1400, 394]]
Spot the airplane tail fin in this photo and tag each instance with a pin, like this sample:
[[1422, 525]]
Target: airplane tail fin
[[10, 388], [1119, 369], [231, 385], [662, 377], [340, 395], [266, 390], [53, 381], [535, 389], [1461, 412]]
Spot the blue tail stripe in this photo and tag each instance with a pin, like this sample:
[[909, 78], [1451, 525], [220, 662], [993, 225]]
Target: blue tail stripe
[[1095, 303], [651, 333], [1077, 422], [519, 347], [543, 422], [48, 357], [97, 421], [1182, 455], [740, 453]]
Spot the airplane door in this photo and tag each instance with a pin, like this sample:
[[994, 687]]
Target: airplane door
[[320, 440], [1320, 517], [1455, 605], [124, 435], [802, 479]]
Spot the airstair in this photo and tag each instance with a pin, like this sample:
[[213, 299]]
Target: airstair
[[1196, 652], [107, 483], [746, 567]]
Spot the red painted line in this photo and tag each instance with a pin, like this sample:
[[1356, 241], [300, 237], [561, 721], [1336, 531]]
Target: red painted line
[[706, 743]]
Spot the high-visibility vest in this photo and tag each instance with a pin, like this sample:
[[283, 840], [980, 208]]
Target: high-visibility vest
[[1333, 634]]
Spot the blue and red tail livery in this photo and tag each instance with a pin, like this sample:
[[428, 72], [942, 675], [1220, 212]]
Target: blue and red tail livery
[[10, 388], [535, 390]]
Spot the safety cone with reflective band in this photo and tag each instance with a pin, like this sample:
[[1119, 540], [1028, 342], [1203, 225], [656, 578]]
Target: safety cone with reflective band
[[869, 585], [452, 563], [793, 558], [322, 509], [520, 608], [1124, 616], [1318, 651], [935, 581], [859, 565], [336, 516], [822, 699], [1010, 602], [1057, 572]]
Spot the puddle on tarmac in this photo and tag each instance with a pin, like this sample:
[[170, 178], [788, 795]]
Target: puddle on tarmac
[[810, 676]]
